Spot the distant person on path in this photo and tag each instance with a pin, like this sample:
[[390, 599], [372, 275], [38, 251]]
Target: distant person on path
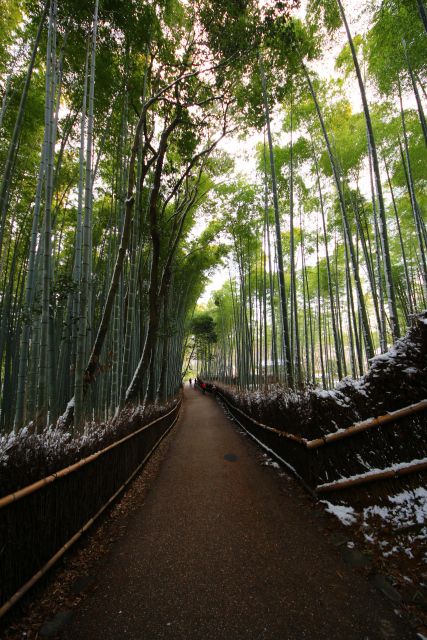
[[189, 381], [204, 387]]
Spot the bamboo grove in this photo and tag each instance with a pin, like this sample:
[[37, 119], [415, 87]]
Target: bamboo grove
[[118, 198], [328, 243], [108, 138]]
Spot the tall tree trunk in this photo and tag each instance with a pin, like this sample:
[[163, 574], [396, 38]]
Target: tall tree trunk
[[328, 267], [77, 272], [393, 317], [274, 352], [13, 146], [402, 245], [281, 271], [417, 96], [423, 13], [361, 302], [92, 366], [319, 316], [44, 389], [295, 333], [153, 314], [406, 162], [30, 290], [382, 327], [86, 274]]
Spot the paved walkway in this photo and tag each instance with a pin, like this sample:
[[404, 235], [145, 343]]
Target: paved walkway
[[219, 552]]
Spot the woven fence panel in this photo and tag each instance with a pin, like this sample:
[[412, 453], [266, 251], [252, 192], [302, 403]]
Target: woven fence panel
[[38, 525], [380, 447]]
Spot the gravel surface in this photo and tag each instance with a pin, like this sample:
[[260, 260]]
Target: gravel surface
[[224, 547]]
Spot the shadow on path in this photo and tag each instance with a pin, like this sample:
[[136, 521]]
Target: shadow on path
[[218, 551]]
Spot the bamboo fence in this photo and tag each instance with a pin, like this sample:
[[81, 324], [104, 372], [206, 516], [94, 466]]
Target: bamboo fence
[[40, 522], [295, 455]]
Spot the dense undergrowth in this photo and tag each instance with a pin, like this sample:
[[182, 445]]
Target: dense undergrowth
[[27, 457]]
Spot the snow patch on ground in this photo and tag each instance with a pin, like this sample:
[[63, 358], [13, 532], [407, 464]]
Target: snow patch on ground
[[381, 512], [271, 463], [396, 526], [407, 515], [344, 513]]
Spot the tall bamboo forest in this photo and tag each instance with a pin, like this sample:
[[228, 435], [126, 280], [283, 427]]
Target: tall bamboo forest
[[124, 192]]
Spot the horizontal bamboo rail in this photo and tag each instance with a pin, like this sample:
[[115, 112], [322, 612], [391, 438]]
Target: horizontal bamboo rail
[[25, 491], [364, 425], [372, 476], [279, 432], [357, 427], [32, 581], [280, 459]]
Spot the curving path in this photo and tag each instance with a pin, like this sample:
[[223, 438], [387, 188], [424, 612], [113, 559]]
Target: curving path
[[221, 550]]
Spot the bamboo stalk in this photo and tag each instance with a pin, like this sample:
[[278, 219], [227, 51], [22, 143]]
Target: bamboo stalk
[[23, 590], [25, 491], [280, 271], [13, 146], [372, 476], [348, 239]]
